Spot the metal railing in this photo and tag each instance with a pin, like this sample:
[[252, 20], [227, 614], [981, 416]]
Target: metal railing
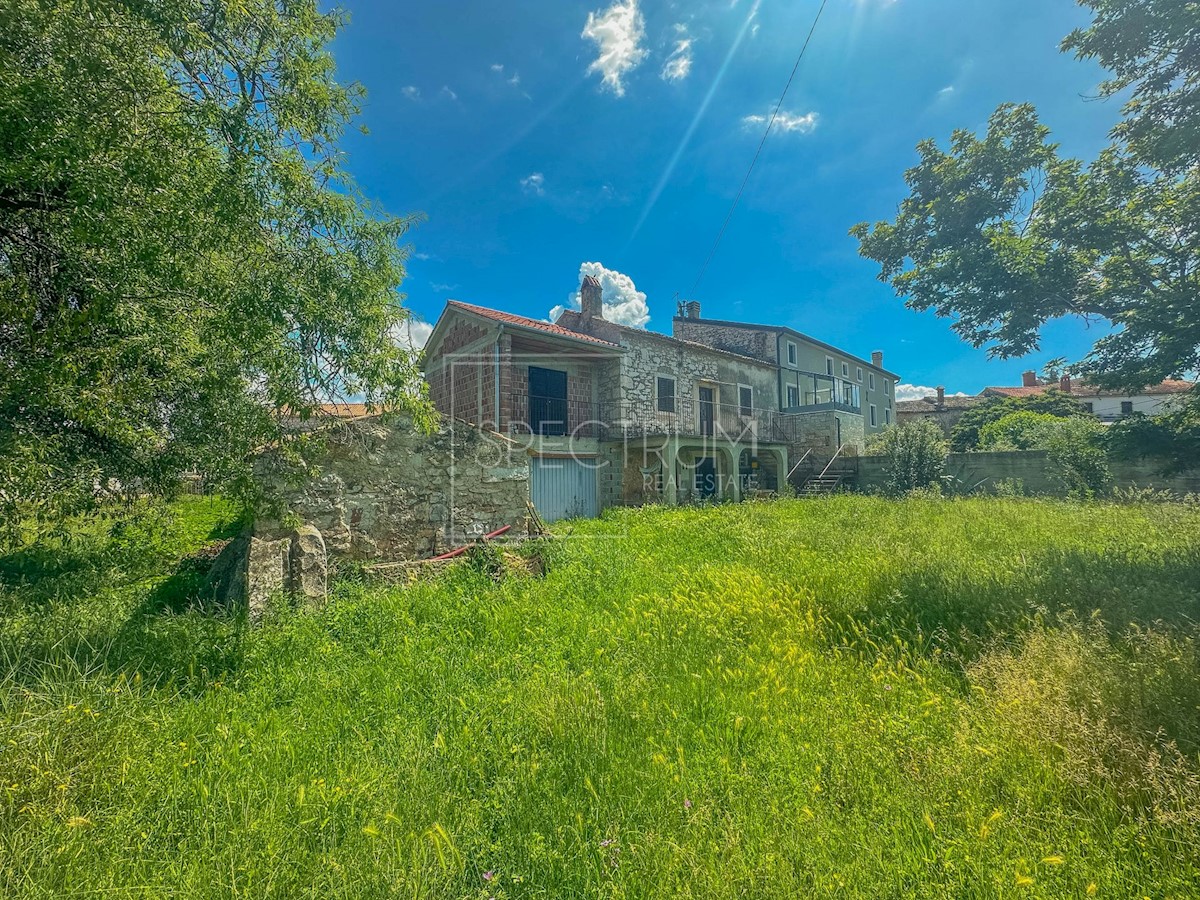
[[554, 416], [692, 418]]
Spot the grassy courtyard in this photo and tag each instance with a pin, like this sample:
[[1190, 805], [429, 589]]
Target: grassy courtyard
[[850, 697]]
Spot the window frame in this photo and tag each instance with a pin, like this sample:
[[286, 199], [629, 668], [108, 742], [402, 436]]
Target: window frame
[[793, 354], [846, 370], [829, 366], [748, 410], [887, 386], [870, 381], [659, 397], [790, 391], [887, 415], [1127, 407], [874, 416], [858, 375]]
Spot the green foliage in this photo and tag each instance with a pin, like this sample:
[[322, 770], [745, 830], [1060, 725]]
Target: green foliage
[[181, 254], [1077, 454], [994, 697], [966, 434], [1171, 438], [1004, 234], [916, 455], [1021, 430]]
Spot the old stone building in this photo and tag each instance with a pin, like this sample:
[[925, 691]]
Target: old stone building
[[609, 414]]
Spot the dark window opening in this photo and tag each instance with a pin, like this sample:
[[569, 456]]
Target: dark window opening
[[547, 401], [666, 395], [745, 400], [1126, 407]]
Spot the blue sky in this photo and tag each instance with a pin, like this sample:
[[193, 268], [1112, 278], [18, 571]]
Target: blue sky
[[540, 136]]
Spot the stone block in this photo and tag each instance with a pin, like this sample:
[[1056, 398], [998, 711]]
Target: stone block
[[307, 566]]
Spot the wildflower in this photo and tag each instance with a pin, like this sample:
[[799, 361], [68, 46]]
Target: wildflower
[[607, 842], [687, 804], [1052, 860], [489, 875], [887, 687]]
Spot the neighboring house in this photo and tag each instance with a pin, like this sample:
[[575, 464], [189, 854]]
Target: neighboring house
[[1107, 405], [945, 411], [617, 415]]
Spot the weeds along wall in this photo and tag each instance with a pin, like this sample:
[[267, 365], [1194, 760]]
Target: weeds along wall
[[381, 490], [1033, 469]]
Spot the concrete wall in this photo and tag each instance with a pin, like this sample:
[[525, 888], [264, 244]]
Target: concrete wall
[[1033, 469], [379, 491]]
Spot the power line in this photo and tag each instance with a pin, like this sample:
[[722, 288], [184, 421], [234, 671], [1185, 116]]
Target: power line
[[758, 153]]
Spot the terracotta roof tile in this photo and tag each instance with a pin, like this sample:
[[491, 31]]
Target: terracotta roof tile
[[523, 322], [1082, 389]]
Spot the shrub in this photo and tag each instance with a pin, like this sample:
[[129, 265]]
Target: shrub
[[916, 455], [966, 433], [1015, 431], [1077, 455]]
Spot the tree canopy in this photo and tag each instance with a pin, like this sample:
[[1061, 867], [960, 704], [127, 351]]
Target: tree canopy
[[182, 255], [1003, 233]]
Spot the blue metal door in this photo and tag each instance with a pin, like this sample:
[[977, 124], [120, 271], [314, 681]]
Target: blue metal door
[[563, 488]]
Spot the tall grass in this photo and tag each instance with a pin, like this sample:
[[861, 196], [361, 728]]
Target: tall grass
[[847, 697]]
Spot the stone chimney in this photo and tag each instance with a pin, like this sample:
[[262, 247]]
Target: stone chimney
[[877, 359], [591, 304], [941, 395], [1064, 384], [691, 309], [1029, 379]]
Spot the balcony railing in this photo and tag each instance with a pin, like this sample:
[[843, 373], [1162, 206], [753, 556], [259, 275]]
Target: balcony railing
[[554, 416], [693, 418], [823, 392]]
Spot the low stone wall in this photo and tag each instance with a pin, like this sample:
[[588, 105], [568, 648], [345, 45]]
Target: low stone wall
[[389, 492], [1033, 469]]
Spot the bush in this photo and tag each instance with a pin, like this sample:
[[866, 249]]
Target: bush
[[916, 455], [967, 432], [1076, 449], [1015, 431]]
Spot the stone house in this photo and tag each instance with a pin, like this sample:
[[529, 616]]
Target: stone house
[[945, 411], [609, 414]]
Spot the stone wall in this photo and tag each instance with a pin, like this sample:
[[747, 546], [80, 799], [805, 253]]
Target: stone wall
[[759, 343], [386, 491], [1032, 469], [818, 431]]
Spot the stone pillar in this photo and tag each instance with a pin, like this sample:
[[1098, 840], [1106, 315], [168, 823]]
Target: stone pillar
[[308, 567], [670, 488]]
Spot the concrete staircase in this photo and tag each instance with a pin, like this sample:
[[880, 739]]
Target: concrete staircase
[[820, 485]]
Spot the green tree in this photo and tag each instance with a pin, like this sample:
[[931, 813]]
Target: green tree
[[1075, 448], [916, 455], [1020, 430], [967, 430], [182, 256], [1004, 234]]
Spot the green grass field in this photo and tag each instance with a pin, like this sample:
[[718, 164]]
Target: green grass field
[[849, 697]]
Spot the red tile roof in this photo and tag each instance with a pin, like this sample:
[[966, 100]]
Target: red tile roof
[[1080, 389], [522, 322]]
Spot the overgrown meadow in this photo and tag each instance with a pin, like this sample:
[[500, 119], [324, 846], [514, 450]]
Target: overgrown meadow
[[849, 697]]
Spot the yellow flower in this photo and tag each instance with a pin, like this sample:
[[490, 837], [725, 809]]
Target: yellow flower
[[1091, 889], [1053, 860], [928, 820], [79, 822]]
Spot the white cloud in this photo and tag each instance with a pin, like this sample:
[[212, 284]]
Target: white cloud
[[422, 256], [945, 92], [443, 288], [498, 67], [917, 392], [448, 93], [623, 302], [411, 91], [412, 333], [617, 33], [785, 121], [514, 79], [534, 184], [679, 63]]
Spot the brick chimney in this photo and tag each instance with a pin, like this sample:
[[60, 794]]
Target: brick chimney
[[941, 395], [591, 304], [1029, 379], [1064, 384], [877, 359], [691, 309]]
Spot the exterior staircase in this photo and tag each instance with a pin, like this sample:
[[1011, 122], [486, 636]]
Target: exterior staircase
[[820, 485]]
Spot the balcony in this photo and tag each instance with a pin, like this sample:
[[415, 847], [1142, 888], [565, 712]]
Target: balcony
[[554, 417], [691, 418], [815, 392]]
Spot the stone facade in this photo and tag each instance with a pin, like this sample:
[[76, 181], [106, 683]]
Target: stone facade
[[386, 491]]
